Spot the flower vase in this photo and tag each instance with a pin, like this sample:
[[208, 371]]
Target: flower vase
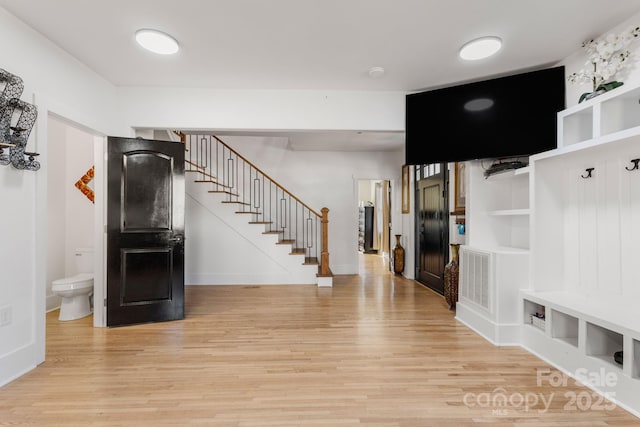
[[398, 256], [451, 275], [599, 90]]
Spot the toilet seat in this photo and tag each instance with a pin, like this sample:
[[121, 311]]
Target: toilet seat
[[79, 281]]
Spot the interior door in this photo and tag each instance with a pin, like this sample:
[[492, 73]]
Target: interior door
[[432, 222], [145, 231]]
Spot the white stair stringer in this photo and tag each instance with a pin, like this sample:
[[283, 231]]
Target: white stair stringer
[[221, 247]]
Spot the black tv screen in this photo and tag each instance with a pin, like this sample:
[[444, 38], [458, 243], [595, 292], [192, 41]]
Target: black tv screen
[[513, 116]]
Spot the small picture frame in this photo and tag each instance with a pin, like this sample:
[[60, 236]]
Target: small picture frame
[[406, 171], [460, 191]]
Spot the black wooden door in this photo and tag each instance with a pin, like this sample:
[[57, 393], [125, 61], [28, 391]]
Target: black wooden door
[[145, 231], [432, 226]]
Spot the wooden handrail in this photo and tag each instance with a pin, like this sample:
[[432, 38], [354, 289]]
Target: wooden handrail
[[268, 177]]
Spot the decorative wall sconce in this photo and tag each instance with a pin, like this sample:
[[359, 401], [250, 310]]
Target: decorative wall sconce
[[17, 118]]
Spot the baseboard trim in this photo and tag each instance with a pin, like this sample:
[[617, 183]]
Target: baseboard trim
[[17, 363]]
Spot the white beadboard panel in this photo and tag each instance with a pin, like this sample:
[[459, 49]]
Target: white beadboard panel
[[571, 194], [630, 230], [608, 229], [587, 218]]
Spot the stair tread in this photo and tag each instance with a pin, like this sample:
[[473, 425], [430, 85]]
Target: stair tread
[[248, 212], [200, 172], [195, 164], [224, 192], [286, 242], [236, 202], [272, 232], [311, 261], [298, 251], [260, 222]]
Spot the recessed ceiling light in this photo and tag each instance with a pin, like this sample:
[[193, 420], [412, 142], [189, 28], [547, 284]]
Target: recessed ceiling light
[[376, 72], [480, 48], [157, 41]]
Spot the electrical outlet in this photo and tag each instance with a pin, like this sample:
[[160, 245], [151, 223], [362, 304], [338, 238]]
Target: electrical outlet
[[5, 315]]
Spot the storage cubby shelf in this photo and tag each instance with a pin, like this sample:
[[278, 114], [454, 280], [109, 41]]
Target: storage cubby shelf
[[564, 327], [585, 201], [625, 318]]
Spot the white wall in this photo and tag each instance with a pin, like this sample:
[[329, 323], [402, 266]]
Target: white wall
[[56, 203], [79, 211], [56, 82], [366, 191], [196, 109]]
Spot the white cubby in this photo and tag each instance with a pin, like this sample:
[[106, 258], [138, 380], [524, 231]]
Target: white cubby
[[564, 327], [621, 112], [577, 126], [603, 343], [531, 309]]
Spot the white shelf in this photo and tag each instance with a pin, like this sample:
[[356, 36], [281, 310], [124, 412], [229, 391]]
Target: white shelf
[[509, 212], [603, 142], [508, 174], [503, 250]]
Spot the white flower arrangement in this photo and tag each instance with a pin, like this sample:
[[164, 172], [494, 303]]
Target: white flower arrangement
[[606, 57]]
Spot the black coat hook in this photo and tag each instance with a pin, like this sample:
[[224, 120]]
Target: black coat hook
[[635, 165], [588, 171]]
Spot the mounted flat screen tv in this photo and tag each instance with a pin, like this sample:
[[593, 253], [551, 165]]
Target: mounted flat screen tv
[[505, 117]]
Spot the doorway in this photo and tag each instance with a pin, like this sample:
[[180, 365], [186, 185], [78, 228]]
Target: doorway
[[432, 225], [70, 201], [374, 217]]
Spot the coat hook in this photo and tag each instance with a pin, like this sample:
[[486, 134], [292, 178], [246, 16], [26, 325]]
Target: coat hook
[[635, 165], [588, 171]]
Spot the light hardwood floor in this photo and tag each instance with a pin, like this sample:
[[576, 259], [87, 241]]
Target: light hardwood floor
[[374, 350]]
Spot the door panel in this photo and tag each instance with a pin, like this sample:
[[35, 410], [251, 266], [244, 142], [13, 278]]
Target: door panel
[[145, 229], [432, 222]]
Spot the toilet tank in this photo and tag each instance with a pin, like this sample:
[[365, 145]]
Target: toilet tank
[[84, 260]]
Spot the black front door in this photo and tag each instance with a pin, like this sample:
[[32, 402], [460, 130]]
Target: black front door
[[432, 221], [145, 231]]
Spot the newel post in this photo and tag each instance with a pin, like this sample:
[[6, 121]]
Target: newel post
[[324, 260]]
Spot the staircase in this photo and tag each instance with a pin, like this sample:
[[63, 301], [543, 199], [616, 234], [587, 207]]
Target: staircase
[[274, 223]]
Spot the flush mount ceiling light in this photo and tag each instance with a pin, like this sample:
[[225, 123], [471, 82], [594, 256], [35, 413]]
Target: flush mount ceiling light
[[480, 48], [157, 41], [376, 72]]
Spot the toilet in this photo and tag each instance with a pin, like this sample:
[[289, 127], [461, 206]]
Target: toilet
[[76, 291]]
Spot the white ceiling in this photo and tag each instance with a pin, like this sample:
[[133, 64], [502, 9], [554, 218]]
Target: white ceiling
[[317, 44]]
